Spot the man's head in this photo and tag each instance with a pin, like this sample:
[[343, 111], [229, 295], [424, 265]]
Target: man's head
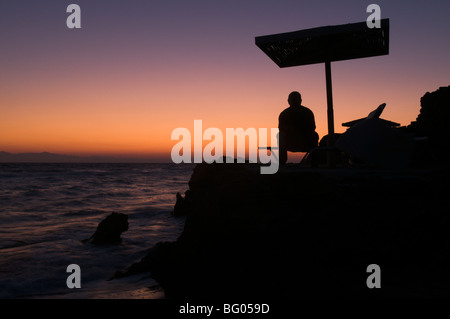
[[295, 99]]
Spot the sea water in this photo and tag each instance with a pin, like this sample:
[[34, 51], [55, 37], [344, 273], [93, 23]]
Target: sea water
[[47, 210]]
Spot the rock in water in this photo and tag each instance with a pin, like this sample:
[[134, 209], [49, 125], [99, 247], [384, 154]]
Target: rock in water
[[182, 205], [110, 229]]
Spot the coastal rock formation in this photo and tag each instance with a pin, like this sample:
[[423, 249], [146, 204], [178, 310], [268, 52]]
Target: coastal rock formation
[[434, 116], [109, 230], [318, 232], [431, 126], [307, 233], [182, 205]]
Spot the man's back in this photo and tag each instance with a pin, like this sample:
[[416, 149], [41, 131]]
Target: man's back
[[297, 121], [297, 128]]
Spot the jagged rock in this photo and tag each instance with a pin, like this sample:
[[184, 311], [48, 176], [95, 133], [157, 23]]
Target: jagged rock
[[434, 116], [431, 126], [178, 209], [182, 205], [110, 229]]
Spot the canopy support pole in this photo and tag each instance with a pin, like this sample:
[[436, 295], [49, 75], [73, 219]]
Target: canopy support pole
[[329, 102], [330, 112]]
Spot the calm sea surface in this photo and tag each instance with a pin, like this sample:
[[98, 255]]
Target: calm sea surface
[[46, 210]]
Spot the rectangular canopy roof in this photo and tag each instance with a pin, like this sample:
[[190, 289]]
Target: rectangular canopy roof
[[326, 44]]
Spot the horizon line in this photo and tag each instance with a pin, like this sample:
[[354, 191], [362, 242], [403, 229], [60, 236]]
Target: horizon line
[[42, 157]]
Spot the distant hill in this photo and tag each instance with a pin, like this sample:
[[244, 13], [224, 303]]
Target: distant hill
[[46, 157]]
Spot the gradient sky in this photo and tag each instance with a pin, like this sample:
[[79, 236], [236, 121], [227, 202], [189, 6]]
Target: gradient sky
[[139, 69]]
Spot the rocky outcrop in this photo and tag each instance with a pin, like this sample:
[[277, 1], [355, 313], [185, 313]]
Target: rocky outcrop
[[434, 116], [432, 126], [313, 232], [307, 233], [110, 229], [182, 205]]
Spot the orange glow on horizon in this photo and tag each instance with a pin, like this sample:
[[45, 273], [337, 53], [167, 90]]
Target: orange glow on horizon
[[108, 128]]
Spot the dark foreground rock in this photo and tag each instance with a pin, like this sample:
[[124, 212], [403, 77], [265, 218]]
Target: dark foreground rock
[[304, 233], [182, 205], [109, 230]]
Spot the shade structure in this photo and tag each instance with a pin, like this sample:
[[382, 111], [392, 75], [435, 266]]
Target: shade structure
[[326, 44]]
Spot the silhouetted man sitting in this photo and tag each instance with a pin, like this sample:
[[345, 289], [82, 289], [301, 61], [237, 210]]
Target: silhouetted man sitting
[[297, 127]]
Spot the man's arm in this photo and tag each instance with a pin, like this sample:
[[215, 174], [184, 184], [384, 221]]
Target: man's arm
[[311, 121], [281, 121]]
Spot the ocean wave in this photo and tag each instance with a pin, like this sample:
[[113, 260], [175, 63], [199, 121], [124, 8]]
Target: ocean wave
[[47, 209]]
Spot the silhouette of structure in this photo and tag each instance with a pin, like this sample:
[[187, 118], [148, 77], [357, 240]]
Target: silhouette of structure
[[374, 114], [325, 45], [374, 142]]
